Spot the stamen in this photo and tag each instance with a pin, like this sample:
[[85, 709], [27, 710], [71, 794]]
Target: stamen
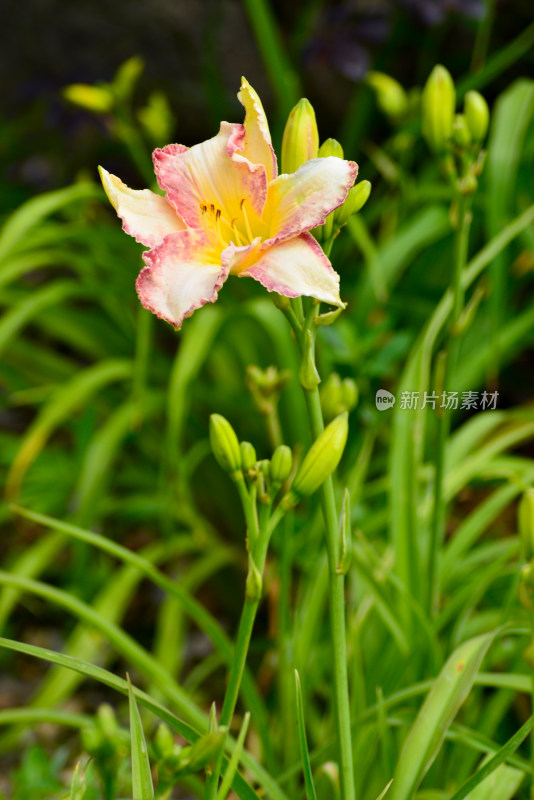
[[220, 237], [238, 242], [247, 224], [233, 229]]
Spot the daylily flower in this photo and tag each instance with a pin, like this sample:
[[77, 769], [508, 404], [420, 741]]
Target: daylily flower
[[226, 211]]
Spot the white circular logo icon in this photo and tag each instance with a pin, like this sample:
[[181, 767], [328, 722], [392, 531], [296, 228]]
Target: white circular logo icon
[[384, 399]]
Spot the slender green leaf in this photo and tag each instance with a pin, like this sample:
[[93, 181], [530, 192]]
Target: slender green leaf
[[142, 786], [231, 769], [304, 753], [449, 691], [506, 750]]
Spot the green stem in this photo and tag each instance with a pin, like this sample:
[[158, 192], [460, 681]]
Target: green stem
[[452, 347], [258, 543], [337, 598]]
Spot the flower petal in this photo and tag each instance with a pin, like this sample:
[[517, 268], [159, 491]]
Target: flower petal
[[145, 215], [207, 175], [297, 267], [257, 146], [181, 275], [303, 200], [237, 259]]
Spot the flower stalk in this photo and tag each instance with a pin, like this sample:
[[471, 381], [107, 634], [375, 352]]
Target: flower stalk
[[336, 577], [452, 347], [258, 542]]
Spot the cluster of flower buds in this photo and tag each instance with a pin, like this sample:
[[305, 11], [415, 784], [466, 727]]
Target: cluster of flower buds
[[110, 99], [526, 533], [265, 386], [240, 462], [239, 459], [356, 198], [338, 396], [446, 132], [300, 143]]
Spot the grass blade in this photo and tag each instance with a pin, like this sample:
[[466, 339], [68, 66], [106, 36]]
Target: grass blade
[[449, 691], [306, 764], [506, 750], [234, 761], [142, 786]]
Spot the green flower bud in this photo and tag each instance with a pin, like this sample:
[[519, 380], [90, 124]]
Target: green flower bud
[[248, 455], [390, 96], [225, 445], [460, 131], [97, 99], [301, 137], [330, 147], [356, 199], [526, 523], [281, 464], [322, 458], [437, 105], [477, 115], [338, 396], [350, 394], [331, 396]]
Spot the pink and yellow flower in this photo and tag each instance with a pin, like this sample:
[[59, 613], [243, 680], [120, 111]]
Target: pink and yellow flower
[[227, 211]]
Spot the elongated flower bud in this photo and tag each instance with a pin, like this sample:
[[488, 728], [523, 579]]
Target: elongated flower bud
[[281, 463], [526, 523], [338, 396], [322, 458], [438, 103], [356, 199], [461, 132], [301, 137], [477, 115], [390, 95], [98, 99], [330, 147], [248, 455], [225, 445]]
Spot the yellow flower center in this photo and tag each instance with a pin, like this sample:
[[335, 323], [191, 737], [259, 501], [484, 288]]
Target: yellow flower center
[[239, 230]]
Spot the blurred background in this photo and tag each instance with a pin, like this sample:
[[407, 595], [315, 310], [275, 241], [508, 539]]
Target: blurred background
[[195, 52]]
